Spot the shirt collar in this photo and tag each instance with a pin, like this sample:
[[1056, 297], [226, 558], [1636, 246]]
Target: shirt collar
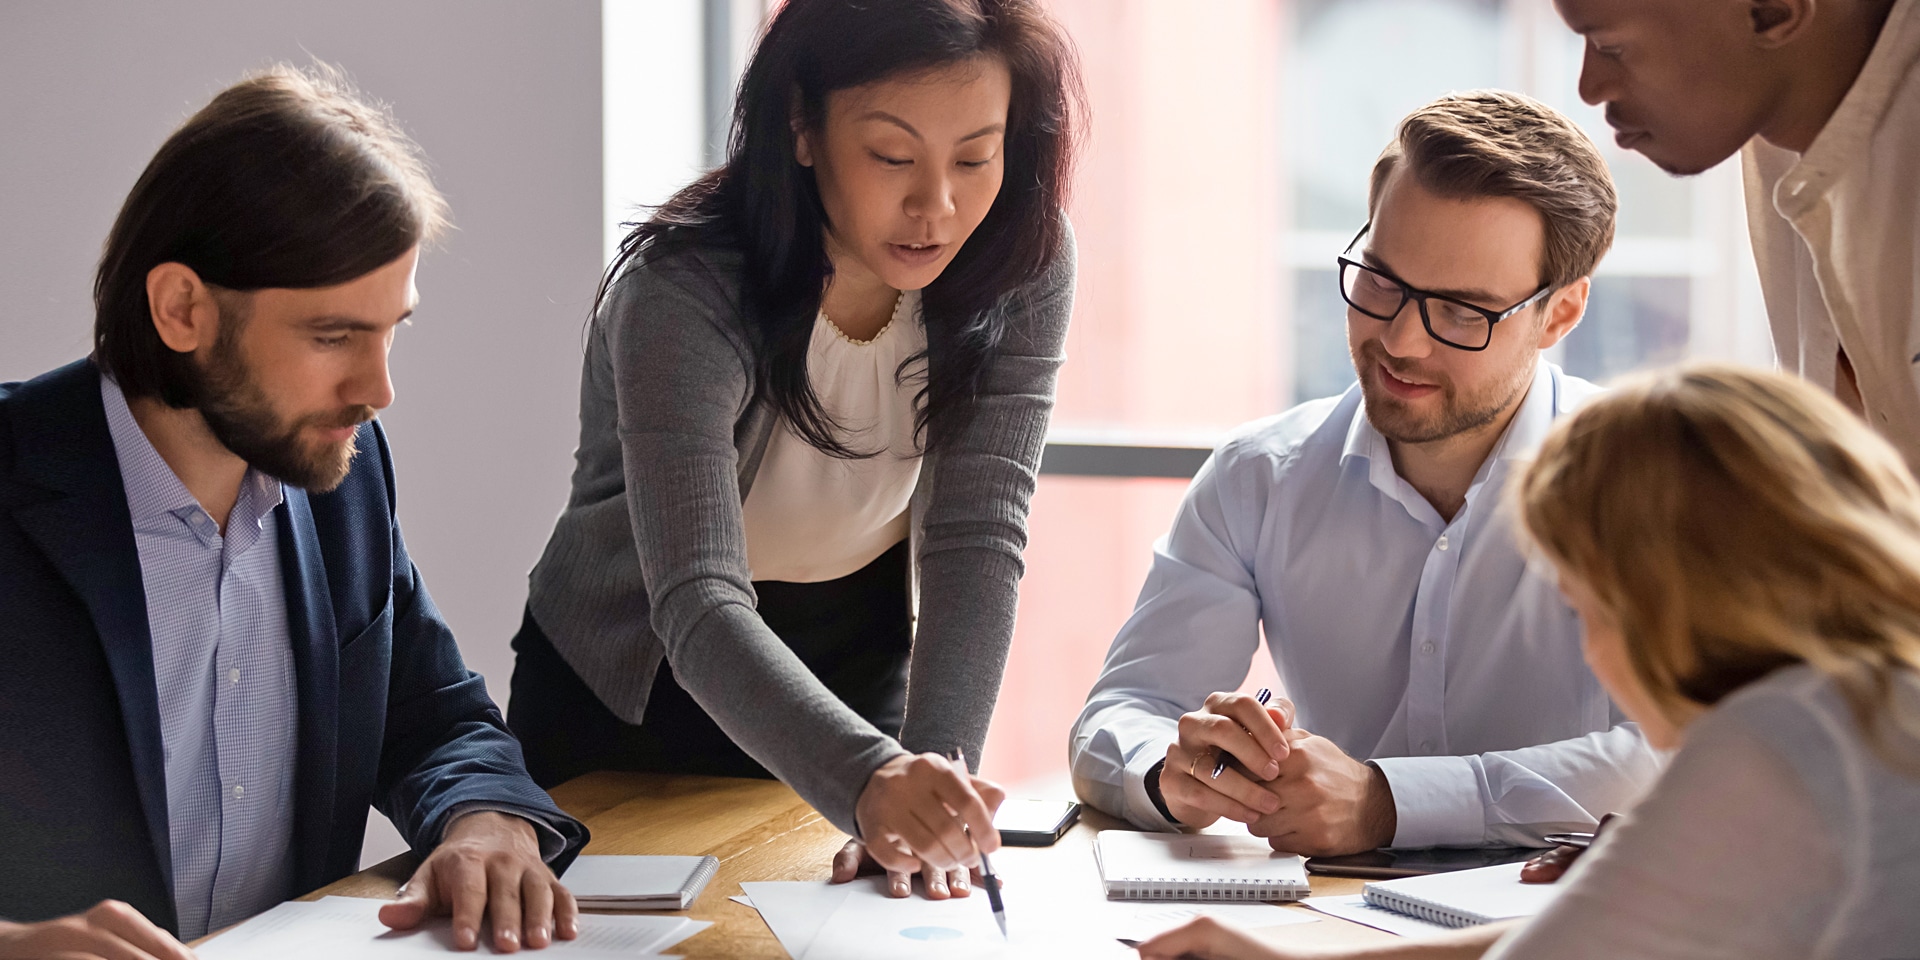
[[1518, 442], [1847, 134], [154, 490]]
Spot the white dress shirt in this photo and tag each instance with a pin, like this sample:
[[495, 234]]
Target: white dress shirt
[[1836, 234], [811, 516], [1436, 649]]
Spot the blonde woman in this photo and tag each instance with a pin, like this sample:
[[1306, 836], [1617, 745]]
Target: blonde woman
[[1745, 555]]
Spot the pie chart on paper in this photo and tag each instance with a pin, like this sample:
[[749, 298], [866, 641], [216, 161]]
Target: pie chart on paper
[[931, 933]]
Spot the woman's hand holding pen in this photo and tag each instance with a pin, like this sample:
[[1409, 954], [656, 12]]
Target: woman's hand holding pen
[[915, 814], [1230, 725]]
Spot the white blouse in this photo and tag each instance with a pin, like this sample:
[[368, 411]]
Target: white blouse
[[813, 517]]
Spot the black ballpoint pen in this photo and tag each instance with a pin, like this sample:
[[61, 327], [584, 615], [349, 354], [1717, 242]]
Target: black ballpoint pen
[[991, 882], [1219, 768]]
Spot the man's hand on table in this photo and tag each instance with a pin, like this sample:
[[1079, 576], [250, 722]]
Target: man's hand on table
[[111, 930], [488, 863], [923, 814], [1326, 803]]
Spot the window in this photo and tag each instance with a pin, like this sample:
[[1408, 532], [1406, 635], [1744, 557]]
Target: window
[[1227, 166]]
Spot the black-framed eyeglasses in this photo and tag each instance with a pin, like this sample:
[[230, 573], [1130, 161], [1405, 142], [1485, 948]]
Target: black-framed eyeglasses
[[1456, 323]]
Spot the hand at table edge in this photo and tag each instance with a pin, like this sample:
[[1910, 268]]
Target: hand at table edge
[[489, 864]]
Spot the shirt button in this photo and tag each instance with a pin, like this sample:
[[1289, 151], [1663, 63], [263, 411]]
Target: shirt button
[[233, 676], [239, 791], [1426, 746], [1427, 648], [1443, 543]]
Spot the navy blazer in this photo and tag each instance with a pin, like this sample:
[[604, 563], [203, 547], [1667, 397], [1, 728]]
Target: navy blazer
[[389, 714]]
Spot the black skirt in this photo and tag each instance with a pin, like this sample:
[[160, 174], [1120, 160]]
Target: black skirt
[[854, 633]]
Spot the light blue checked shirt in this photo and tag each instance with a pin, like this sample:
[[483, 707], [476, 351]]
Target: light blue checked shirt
[[1437, 649], [223, 663]]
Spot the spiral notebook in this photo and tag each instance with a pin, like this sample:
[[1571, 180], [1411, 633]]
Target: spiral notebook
[[1180, 866], [1464, 898], [639, 883]]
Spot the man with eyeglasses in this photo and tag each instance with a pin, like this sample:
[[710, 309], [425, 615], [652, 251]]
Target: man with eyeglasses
[[1369, 537]]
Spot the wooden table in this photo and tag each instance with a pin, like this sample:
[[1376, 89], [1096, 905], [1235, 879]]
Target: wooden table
[[761, 830]]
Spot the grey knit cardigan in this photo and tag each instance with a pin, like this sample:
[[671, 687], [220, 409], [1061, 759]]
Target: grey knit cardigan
[[649, 558]]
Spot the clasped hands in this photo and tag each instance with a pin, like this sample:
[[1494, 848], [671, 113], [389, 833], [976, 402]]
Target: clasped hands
[[1300, 792], [925, 814]]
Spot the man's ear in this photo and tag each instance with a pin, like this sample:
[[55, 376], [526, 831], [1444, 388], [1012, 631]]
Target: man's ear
[[184, 311], [1564, 308], [1777, 23]]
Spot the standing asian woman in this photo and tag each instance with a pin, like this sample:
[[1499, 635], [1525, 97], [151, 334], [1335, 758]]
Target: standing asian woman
[[816, 390]]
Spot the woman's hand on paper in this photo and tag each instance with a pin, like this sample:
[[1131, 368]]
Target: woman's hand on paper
[[488, 863], [922, 813], [109, 930], [853, 861], [1236, 726]]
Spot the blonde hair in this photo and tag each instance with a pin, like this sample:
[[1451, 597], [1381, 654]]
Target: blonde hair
[[1492, 143], [1736, 521]]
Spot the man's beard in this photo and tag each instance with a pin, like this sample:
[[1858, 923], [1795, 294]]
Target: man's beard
[[1457, 414], [241, 417]]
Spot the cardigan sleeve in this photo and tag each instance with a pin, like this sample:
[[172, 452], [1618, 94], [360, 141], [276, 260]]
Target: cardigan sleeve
[[975, 527], [682, 383]]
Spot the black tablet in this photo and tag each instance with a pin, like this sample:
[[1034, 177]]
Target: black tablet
[[1386, 864]]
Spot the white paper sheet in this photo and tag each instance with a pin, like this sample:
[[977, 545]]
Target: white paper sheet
[[1357, 909], [795, 912], [336, 927], [857, 921]]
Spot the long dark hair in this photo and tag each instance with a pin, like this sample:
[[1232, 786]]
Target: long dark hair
[[763, 203], [288, 178]]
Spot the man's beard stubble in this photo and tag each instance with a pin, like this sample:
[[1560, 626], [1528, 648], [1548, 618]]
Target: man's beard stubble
[[237, 411], [1457, 415]]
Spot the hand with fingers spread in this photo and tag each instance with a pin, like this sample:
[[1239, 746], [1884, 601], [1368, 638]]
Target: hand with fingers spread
[[109, 930], [1326, 803], [1238, 727], [915, 816], [488, 863], [854, 861]]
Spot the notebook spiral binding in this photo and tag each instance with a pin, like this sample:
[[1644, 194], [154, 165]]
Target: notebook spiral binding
[[1173, 888], [1423, 909], [701, 874]]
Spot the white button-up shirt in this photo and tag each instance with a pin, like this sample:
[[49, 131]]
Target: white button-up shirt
[[1836, 234], [1437, 649]]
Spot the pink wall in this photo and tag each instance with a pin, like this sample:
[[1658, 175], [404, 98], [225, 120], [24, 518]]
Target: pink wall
[[1176, 325]]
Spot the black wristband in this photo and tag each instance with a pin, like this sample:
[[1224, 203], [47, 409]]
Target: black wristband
[[1153, 790]]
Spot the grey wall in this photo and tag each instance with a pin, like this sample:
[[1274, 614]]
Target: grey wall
[[503, 96]]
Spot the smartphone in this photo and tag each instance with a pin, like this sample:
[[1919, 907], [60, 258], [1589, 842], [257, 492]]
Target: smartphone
[[1385, 864], [1035, 823]]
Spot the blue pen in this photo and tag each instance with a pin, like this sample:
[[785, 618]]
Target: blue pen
[[1219, 768], [987, 878]]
